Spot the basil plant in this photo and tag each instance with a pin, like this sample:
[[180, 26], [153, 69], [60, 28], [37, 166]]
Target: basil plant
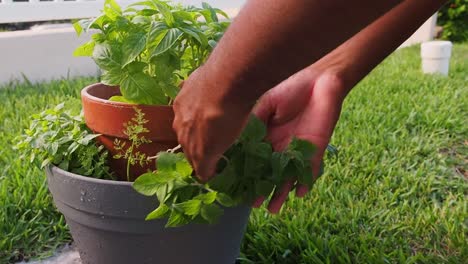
[[150, 47]]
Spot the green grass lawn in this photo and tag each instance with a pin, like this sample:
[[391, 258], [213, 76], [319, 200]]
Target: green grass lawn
[[397, 193]]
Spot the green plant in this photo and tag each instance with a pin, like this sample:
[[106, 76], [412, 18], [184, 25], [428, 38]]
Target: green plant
[[249, 169], [150, 47], [58, 137], [453, 17], [134, 129], [375, 204]]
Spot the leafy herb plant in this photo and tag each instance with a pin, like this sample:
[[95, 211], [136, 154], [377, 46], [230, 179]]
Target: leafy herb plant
[[150, 47], [58, 137], [250, 168]]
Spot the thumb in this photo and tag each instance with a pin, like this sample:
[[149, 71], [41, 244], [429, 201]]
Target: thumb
[[206, 168], [264, 109]]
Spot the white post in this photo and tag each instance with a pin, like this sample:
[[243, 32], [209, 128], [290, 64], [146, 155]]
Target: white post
[[436, 56]]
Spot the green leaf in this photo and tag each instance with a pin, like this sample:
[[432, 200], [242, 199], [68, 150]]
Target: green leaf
[[264, 188], [86, 140], [306, 177], [262, 150], [177, 219], [166, 13], [164, 66], [183, 16], [118, 98], [59, 107], [305, 147], [136, 67], [207, 198], [143, 19], [170, 38], [149, 183], [64, 165], [212, 43], [255, 130], [221, 12], [107, 57], [160, 212], [167, 161], [196, 34], [45, 163], [225, 200], [112, 9], [170, 90], [140, 88], [78, 28], [209, 13], [85, 50], [184, 168], [149, 4], [82, 25], [224, 180], [112, 77], [279, 161], [190, 207], [291, 171], [163, 192], [133, 45], [211, 212], [156, 30]]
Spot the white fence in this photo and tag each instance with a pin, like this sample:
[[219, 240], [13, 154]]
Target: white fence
[[46, 54], [13, 11], [43, 54]]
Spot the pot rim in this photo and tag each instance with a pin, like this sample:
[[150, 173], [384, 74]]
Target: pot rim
[[85, 93], [88, 178]]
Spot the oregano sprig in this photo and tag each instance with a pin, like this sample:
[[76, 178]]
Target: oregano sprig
[[57, 136]]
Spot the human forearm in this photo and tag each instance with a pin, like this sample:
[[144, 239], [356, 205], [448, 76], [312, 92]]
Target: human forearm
[[270, 40], [355, 58]]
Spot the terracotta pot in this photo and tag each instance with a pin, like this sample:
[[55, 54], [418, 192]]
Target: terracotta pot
[[109, 118]]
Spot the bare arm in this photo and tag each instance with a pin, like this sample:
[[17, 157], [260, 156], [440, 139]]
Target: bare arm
[[355, 58], [271, 39], [308, 104]]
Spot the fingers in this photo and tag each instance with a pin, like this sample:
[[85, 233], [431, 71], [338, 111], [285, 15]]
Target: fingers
[[279, 197], [204, 164], [264, 108], [316, 163], [258, 202], [301, 190], [205, 168]]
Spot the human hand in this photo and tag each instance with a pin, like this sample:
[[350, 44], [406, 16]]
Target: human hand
[[207, 122], [306, 106]]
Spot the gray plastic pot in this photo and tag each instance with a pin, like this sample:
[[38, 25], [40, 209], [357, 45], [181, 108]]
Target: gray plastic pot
[[106, 220]]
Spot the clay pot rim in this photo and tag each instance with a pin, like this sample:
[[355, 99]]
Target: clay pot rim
[[85, 93]]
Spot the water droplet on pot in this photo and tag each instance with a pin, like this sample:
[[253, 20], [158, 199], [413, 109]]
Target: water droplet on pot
[[81, 199], [83, 192]]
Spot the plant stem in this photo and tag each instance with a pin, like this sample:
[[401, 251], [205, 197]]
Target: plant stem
[[128, 169]]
